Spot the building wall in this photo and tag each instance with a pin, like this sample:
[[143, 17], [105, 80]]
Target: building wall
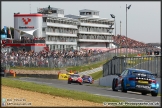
[[92, 45], [34, 22], [37, 22]]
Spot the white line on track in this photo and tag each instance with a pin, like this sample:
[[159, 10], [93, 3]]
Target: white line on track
[[132, 92], [123, 97]]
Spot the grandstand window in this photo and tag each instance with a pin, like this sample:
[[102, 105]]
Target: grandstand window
[[43, 29], [44, 19], [54, 11]]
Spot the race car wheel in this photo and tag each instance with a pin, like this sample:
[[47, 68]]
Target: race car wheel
[[80, 83], [122, 87], [69, 82], [114, 85], [154, 93], [144, 93], [91, 82]]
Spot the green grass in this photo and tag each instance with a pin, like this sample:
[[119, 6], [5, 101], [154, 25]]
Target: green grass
[[74, 68], [95, 85], [87, 67], [34, 68], [56, 91], [97, 75]]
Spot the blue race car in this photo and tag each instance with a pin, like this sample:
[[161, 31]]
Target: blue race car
[[136, 80], [87, 79]]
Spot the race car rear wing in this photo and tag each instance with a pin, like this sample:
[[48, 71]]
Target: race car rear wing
[[145, 74]]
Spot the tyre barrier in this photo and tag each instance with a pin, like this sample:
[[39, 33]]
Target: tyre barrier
[[3, 74]]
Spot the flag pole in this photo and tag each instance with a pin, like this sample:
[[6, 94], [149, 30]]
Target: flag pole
[[10, 33]]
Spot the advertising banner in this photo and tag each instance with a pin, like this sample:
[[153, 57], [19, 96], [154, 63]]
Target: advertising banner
[[3, 36], [5, 29]]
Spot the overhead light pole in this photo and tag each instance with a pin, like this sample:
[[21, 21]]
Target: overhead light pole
[[126, 30], [120, 37], [113, 16]]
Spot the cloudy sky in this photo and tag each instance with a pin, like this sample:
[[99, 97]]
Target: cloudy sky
[[143, 18]]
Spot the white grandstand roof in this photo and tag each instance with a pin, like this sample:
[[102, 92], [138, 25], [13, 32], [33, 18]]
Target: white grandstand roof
[[88, 10], [53, 8], [87, 17], [63, 18]]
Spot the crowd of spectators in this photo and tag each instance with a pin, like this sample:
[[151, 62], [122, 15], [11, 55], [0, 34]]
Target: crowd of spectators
[[51, 58], [124, 41], [25, 40], [64, 58]]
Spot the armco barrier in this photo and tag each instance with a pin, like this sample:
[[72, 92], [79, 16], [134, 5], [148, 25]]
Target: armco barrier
[[48, 76], [107, 81]]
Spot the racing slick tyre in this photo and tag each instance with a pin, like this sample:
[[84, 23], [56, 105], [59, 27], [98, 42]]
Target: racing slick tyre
[[154, 94], [144, 93], [114, 85], [122, 87], [69, 82], [80, 83], [91, 82]]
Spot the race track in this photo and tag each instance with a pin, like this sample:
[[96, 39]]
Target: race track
[[130, 96]]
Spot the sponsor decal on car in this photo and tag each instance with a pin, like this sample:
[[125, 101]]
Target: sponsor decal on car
[[143, 86], [142, 82]]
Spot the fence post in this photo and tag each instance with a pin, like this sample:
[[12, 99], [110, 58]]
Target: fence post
[[156, 64]]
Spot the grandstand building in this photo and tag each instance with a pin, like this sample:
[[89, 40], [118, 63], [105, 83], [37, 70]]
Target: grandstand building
[[93, 31], [60, 32]]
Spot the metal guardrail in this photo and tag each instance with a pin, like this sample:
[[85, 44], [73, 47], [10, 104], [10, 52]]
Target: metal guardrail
[[119, 64]]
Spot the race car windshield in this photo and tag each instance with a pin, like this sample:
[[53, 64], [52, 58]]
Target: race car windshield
[[74, 75], [86, 76], [142, 74]]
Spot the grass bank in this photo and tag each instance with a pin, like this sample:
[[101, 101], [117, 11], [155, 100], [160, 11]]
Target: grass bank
[[87, 67], [34, 68], [74, 68], [97, 75], [56, 91]]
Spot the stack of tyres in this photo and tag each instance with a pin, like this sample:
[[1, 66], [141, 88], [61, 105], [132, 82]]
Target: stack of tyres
[[3, 73]]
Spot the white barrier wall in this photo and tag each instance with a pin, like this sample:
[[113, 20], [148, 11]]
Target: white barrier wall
[[107, 81]]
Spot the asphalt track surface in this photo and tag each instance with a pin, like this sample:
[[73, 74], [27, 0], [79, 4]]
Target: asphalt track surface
[[103, 91]]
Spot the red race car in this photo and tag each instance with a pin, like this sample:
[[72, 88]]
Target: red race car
[[75, 78]]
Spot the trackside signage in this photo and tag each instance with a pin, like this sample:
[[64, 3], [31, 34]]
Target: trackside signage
[[26, 21], [26, 27]]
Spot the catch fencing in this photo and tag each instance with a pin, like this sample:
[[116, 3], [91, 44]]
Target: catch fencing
[[119, 64], [60, 62]]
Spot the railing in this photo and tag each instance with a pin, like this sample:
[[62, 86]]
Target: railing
[[60, 62], [119, 64], [29, 41]]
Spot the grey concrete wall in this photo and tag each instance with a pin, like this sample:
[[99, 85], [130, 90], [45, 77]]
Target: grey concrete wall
[[107, 81], [47, 76]]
